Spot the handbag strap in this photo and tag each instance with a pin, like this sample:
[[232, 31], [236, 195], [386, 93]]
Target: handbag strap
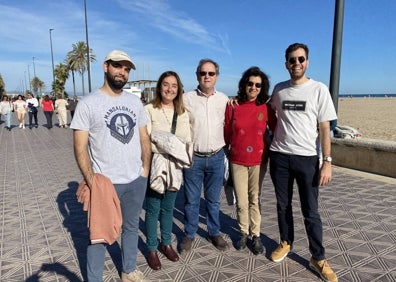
[[174, 120]]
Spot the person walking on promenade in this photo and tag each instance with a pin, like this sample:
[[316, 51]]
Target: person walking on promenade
[[61, 110], [48, 109], [20, 109], [166, 113], [110, 138], [6, 111], [244, 132], [302, 106], [32, 104], [72, 105], [206, 108]]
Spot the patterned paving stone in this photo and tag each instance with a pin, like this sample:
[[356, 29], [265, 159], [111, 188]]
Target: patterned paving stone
[[44, 235]]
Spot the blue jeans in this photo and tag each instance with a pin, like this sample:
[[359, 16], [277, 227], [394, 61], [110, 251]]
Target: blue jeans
[[131, 196], [284, 169], [8, 119], [208, 172], [159, 205]]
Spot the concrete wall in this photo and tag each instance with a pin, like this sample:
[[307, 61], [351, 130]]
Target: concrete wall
[[369, 155]]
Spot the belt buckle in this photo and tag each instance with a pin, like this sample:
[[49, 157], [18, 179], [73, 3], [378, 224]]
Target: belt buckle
[[206, 155]]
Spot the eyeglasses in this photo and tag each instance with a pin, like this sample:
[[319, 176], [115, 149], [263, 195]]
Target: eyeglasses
[[204, 73], [250, 84], [293, 60]]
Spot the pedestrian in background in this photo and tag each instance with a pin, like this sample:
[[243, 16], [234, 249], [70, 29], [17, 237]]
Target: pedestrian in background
[[61, 110], [48, 109], [32, 104], [20, 109], [6, 111], [72, 105]]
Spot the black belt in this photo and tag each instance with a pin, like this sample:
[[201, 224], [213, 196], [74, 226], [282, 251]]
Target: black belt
[[207, 155]]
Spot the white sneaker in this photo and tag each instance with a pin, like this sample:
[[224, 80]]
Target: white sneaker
[[20, 125], [23, 127], [134, 276]]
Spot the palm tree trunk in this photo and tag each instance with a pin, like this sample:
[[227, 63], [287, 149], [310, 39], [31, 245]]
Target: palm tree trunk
[[83, 87], [74, 84]]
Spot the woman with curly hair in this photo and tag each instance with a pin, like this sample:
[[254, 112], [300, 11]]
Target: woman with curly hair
[[246, 123]]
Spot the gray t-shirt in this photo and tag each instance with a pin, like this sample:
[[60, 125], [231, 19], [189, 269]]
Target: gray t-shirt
[[114, 141]]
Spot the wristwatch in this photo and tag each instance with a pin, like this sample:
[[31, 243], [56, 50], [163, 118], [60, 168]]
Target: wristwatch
[[327, 159]]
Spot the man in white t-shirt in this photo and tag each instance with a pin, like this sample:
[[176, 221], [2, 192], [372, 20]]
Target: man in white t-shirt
[[304, 109]]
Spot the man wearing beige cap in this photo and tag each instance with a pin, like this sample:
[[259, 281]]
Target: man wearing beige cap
[[110, 138]]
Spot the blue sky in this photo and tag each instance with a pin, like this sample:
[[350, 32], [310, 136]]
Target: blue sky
[[174, 35]]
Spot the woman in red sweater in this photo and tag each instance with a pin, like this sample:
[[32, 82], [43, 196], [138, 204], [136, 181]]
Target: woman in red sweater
[[245, 128], [48, 109]]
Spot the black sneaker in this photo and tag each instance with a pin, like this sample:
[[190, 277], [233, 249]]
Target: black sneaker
[[218, 242], [257, 246], [186, 244], [241, 245]]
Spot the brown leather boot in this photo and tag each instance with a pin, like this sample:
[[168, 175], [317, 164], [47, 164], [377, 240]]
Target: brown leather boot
[[169, 252], [153, 260]]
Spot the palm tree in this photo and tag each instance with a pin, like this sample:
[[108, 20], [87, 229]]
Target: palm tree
[[37, 84], [2, 87], [77, 61], [61, 73]]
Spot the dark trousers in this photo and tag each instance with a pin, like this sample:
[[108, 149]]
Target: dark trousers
[[48, 116], [31, 116], [284, 169]]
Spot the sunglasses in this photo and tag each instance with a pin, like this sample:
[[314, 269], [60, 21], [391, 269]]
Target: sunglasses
[[204, 73], [293, 60], [250, 84]]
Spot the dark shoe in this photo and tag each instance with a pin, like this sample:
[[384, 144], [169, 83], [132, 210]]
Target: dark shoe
[[186, 244], [218, 242], [241, 245], [257, 246], [36, 125], [169, 252], [153, 260]]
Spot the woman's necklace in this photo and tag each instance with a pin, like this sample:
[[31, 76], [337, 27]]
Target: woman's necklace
[[168, 106], [163, 111]]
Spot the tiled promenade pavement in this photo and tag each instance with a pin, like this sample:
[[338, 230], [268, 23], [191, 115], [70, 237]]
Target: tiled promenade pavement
[[44, 236]]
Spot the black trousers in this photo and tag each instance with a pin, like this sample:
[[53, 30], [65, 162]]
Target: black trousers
[[31, 116], [48, 116]]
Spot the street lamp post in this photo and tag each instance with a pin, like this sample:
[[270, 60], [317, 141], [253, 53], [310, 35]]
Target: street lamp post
[[30, 83], [52, 56], [86, 38], [34, 68], [25, 82]]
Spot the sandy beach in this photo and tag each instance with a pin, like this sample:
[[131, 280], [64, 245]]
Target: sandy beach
[[375, 118]]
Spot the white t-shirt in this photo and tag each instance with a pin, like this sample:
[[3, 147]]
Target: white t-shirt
[[300, 108], [114, 141]]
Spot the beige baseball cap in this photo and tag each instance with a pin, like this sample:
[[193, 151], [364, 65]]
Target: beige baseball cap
[[117, 56]]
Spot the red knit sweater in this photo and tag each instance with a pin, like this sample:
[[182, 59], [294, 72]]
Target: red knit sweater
[[245, 132]]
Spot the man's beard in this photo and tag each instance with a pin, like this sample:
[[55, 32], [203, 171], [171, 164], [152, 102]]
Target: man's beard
[[115, 84]]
